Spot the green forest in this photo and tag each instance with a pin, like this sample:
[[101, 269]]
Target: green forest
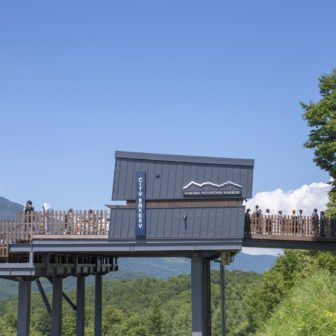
[[295, 297]]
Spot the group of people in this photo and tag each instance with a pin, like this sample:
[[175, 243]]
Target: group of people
[[50, 222], [47, 210], [296, 226]]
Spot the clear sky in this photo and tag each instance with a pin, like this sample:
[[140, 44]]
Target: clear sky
[[81, 79]]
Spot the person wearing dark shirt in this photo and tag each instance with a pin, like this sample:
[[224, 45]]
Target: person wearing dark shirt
[[322, 224], [247, 221], [315, 220], [28, 212]]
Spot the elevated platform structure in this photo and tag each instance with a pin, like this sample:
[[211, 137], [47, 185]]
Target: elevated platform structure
[[173, 205]]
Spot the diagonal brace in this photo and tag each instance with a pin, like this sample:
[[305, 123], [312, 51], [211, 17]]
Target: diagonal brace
[[44, 297], [67, 299]]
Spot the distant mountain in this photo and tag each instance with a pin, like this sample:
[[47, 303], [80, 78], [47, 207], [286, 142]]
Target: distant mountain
[[252, 263], [166, 267], [8, 208]]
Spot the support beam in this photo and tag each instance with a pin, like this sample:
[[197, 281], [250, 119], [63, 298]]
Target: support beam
[[56, 312], [200, 291], [23, 320], [98, 305], [44, 297], [222, 284], [66, 298], [80, 316]]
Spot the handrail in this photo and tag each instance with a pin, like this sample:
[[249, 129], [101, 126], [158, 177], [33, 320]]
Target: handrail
[[25, 226], [290, 225]]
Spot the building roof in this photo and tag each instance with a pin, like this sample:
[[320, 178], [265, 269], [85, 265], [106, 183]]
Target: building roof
[[184, 158], [177, 177]]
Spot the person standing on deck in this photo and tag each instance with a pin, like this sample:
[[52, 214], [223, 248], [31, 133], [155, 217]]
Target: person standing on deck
[[47, 215], [322, 224], [28, 211], [294, 223], [268, 222], [257, 219], [315, 220], [281, 223], [248, 221], [300, 223]]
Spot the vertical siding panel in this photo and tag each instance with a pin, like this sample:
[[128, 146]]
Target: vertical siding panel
[[123, 224], [118, 224], [226, 219], [243, 181], [122, 180], [130, 223], [181, 227], [175, 222], [137, 167], [130, 177], [178, 185], [165, 180], [197, 226], [212, 223], [204, 219], [192, 173], [222, 175], [150, 176], [190, 224], [151, 223], [157, 180], [160, 224], [220, 222], [165, 229], [116, 179], [172, 181], [208, 174]]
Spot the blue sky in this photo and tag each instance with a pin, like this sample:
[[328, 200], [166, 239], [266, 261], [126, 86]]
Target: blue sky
[[81, 79]]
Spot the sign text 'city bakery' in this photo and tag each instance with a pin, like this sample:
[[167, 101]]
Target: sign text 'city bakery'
[[140, 204]]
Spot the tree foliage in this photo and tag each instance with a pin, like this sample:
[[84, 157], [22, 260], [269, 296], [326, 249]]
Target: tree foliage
[[321, 118], [142, 307]]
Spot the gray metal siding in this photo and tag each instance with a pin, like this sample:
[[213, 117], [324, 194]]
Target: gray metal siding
[[168, 223], [173, 176]]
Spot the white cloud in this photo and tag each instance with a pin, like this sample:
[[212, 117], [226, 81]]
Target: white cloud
[[306, 198]]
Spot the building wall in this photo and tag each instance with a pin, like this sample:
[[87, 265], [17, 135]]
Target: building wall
[[169, 223]]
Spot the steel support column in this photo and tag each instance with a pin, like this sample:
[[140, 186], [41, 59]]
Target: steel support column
[[200, 291], [80, 316], [222, 284], [23, 320], [98, 305], [56, 311]]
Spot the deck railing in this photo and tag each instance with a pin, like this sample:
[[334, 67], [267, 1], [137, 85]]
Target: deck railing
[[290, 227], [25, 226]]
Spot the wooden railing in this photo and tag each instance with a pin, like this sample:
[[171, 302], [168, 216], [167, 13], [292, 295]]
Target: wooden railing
[[25, 226], [290, 227]]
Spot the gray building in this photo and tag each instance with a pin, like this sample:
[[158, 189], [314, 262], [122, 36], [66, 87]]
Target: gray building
[[187, 200]]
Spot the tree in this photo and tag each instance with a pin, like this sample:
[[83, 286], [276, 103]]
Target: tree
[[155, 318], [321, 117]]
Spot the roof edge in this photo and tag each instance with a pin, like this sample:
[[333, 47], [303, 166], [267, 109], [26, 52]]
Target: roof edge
[[183, 158]]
